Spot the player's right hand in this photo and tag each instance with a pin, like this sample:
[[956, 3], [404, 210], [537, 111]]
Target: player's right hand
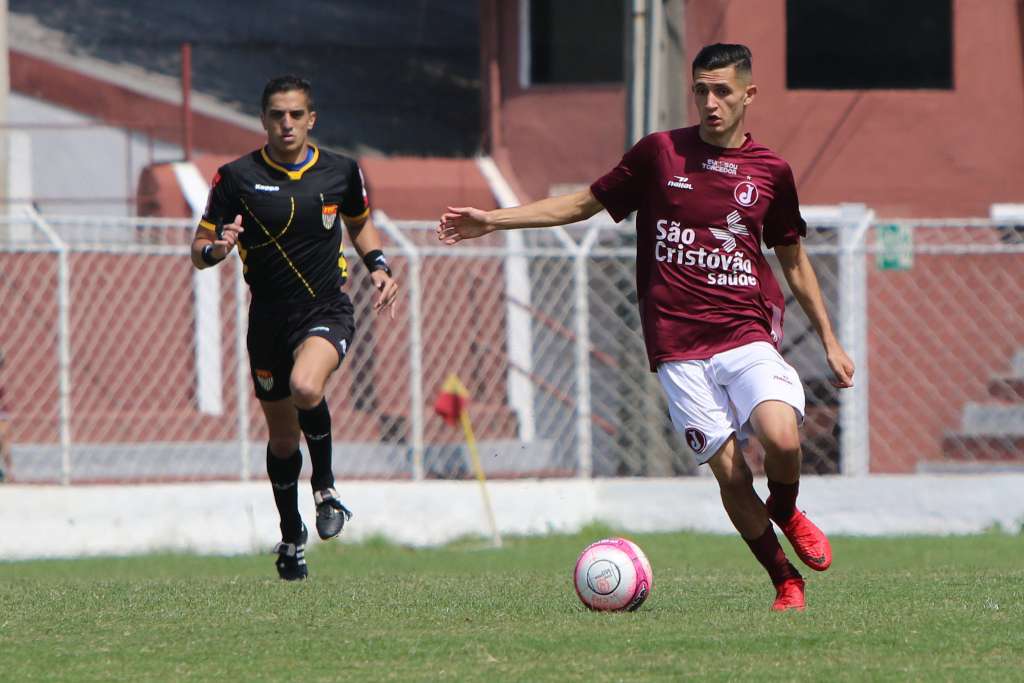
[[228, 239], [462, 223]]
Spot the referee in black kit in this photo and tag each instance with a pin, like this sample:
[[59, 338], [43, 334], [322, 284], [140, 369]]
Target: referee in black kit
[[281, 206]]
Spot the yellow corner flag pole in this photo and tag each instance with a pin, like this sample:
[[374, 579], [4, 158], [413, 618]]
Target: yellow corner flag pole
[[455, 386]]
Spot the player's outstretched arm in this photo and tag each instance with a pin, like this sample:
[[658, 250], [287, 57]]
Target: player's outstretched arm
[[804, 284], [465, 222], [208, 251]]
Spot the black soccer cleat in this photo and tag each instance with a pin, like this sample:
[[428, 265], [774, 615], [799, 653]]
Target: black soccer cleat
[[331, 515], [291, 558]]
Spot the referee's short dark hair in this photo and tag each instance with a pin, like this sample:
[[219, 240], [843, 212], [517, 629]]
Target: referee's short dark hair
[[721, 55], [286, 84]]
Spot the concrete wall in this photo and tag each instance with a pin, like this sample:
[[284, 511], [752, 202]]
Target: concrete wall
[[903, 152], [83, 165], [240, 518]]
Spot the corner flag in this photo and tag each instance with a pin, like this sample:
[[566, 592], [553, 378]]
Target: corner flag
[[452, 405]]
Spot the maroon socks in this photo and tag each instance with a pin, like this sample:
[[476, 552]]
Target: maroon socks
[[769, 553], [783, 500]]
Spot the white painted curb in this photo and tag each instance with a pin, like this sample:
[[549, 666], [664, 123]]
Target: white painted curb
[[229, 518]]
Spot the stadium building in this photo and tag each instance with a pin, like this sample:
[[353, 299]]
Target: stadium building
[[915, 218]]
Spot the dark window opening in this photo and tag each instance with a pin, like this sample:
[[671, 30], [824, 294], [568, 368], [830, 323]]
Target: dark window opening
[[568, 45], [869, 44]]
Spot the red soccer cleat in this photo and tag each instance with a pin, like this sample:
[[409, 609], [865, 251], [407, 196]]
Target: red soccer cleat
[[789, 595], [809, 542]]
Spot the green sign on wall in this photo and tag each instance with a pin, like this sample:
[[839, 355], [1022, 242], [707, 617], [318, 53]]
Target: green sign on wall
[[895, 243]]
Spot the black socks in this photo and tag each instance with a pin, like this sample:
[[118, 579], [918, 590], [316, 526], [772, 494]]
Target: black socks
[[284, 476], [316, 425]]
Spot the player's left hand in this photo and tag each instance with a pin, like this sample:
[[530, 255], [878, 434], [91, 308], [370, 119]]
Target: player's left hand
[[388, 288], [842, 366]]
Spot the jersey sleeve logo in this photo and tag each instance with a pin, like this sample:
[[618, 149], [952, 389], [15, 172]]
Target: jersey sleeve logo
[[209, 195], [329, 215], [362, 183]]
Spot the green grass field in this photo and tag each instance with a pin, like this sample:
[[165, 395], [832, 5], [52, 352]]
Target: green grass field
[[889, 609]]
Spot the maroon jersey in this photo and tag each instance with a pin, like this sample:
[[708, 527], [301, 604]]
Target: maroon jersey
[[703, 283]]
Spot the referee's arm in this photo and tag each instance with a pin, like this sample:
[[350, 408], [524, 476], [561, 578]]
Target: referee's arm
[[367, 242], [207, 250], [364, 234]]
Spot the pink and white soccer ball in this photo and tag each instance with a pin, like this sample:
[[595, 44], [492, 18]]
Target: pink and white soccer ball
[[613, 574]]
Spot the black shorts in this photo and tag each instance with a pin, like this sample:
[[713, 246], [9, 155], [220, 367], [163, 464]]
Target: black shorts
[[276, 330]]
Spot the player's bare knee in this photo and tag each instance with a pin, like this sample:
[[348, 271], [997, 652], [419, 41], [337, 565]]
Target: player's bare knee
[[732, 472], [784, 444], [283, 446], [306, 394], [736, 479]]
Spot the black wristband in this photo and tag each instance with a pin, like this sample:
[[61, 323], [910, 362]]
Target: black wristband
[[374, 260], [208, 257]]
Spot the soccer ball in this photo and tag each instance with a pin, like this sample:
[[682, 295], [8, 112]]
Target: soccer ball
[[613, 574]]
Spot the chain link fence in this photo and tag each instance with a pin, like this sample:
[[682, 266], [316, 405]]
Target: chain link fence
[[121, 363]]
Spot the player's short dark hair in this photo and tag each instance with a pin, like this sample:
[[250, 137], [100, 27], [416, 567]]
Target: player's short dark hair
[[721, 55], [286, 84]]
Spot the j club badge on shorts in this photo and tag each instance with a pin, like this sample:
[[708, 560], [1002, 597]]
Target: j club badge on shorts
[[266, 379], [329, 215], [696, 439]]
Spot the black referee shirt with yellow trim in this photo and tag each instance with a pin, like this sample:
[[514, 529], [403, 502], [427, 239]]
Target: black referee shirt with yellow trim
[[291, 247]]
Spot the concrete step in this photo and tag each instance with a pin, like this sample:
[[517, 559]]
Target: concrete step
[[970, 467], [1007, 389], [988, 448], [1017, 368], [983, 419]]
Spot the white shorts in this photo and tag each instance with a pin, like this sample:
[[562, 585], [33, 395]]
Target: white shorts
[[711, 399]]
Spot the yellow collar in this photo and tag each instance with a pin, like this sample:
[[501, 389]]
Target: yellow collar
[[294, 175]]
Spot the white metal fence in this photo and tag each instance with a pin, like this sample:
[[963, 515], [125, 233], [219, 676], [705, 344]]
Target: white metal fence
[[122, 364]]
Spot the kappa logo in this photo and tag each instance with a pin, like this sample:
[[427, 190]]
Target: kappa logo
[[266, 188], [681, 182], [265, 379], [745, 193], [695, 439], [733, 227]]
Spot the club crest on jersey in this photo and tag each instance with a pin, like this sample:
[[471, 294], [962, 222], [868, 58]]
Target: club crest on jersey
[[745, 193], [266, 379], [329, 215]]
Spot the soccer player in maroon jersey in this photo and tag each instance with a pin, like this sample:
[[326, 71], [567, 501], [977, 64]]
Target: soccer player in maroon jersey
[[710, 308]]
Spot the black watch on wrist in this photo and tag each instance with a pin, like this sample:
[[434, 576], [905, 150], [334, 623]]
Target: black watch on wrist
[[208, 257], [375, 260]]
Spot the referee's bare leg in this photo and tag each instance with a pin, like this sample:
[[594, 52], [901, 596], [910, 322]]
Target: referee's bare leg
[[315, 359]]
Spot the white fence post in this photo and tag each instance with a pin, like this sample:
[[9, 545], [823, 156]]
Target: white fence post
[[854, 440], [584, 424], [519, 330], [63, 340], [242, 371], [415, 338]]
